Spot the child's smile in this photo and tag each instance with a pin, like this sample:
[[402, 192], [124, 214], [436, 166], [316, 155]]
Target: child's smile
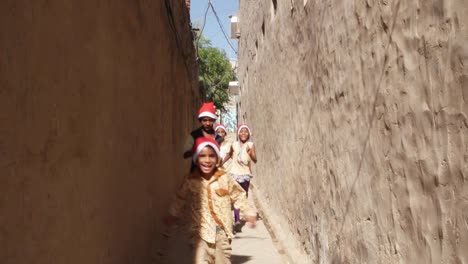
[[207, 160], [244, 134]]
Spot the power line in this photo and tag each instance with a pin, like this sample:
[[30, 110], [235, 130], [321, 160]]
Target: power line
[[221, 26], [203, 27], [204, 20]]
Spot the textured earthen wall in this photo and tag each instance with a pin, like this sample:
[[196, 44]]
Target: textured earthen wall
[[359, 110], [96, 98]]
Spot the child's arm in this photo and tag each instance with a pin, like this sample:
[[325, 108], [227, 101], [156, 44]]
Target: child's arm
[[228, 155], [239, 200], [252, 153], [178, 203]]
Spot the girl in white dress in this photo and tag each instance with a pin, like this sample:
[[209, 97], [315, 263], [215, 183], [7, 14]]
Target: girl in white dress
[[243, 154]]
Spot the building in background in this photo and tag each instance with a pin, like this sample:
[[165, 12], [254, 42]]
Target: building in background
[[229, 118]]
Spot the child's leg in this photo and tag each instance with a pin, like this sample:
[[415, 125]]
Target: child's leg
[[245, 185], [236, 215], [202, 251], [223, 249]]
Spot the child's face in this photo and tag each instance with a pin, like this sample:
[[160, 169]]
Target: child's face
[[244, 134], [221, 132], [207, 160]]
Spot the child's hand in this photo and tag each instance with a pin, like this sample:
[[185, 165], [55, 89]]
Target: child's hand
[[251, 220], [170, 220], [251, 151], [249, 146]]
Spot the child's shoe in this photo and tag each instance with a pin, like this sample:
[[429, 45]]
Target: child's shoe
[[238, 227]]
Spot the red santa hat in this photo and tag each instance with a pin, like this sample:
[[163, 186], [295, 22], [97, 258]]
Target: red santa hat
[[241, 126], [207, 110], [220, 126], [202, 142]]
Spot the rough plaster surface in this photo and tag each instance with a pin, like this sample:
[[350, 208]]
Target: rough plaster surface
[[96, 98], [359, 111]]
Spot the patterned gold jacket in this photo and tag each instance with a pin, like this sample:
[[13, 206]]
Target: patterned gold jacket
[[210, 203]]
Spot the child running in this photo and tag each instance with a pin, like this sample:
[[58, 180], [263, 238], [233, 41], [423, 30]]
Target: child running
[[225, 146], [211, 193], [242, 153]]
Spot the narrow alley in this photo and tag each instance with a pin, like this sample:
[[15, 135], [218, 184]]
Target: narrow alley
[[259, 248], [339, 127]]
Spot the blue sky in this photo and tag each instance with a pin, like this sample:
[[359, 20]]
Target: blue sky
[[224, 8]]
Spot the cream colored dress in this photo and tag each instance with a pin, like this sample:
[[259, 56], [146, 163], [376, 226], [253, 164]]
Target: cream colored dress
[[241, 162]]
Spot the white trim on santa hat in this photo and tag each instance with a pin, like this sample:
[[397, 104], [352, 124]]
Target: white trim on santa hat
[[207, 114], [201, 146], [220, 126]]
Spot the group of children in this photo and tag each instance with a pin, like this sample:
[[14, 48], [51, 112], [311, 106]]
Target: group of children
[[211, 190]]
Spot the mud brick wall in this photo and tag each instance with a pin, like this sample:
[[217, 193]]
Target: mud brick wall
[[96, 98], [359, 111]]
